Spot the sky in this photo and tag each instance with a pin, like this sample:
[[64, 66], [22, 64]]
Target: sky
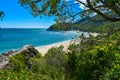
[[19, 17]]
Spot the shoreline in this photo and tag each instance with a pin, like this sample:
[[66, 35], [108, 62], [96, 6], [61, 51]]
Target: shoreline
[[44, 49], [13, 46], [56, 44], [67, 42], [4, 58]]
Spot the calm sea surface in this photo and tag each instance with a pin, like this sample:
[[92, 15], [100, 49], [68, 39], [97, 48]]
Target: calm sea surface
[[16, 38]]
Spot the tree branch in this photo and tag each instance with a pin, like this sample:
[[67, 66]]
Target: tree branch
[[100, 13], [111, 6]]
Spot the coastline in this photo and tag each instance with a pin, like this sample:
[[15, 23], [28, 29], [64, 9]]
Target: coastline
[[44, 49], [35, 37], [4, 58]]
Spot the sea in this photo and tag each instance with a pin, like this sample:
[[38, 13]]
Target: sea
[[15, 38]]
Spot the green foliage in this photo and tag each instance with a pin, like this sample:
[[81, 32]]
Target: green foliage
[[94, 58], [59, 27], [83, 25], [111, 27], [50, 67], [66, 11]]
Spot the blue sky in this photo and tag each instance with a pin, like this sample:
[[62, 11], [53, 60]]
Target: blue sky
[[18, 17]]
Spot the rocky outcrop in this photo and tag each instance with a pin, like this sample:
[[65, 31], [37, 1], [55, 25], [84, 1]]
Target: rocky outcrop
[[4, 58], [9, 53], [28, 51]]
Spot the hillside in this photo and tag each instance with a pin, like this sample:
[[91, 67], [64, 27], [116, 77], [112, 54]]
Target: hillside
[[94, 58], [85, 24]]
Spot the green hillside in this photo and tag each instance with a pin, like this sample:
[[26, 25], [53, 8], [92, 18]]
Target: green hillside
[[94, 58], [85, 24]]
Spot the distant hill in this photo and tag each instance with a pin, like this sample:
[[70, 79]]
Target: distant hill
[[85, 24]]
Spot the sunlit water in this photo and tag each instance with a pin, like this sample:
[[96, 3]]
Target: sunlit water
[[16, 38]]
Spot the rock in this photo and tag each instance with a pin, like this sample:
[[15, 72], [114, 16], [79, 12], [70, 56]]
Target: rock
[[3, 61], [27, 47], [28, 51], [10, 52]]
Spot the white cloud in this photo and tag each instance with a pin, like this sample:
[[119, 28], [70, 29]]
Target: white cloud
[[81, 5], [68, 0]]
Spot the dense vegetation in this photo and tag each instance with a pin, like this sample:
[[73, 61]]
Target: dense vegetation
[[94, 58], [85, 24]]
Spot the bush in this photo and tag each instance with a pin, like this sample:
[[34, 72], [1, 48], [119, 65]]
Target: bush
[[94, 58]]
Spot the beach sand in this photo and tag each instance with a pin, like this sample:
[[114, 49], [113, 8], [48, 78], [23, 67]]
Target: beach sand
[[44, 49]]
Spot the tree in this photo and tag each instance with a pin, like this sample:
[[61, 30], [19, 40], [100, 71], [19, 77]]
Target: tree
[[69, 10]]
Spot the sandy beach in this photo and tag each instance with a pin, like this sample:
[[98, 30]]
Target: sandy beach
[[43, 49], [4, 60]]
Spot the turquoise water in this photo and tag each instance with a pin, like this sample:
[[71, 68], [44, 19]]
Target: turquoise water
[[16, 38]]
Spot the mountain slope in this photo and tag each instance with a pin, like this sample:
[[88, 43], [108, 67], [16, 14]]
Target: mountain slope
[[85, 24]]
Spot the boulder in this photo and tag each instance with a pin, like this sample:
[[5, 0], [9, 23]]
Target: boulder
[[28, 51], [10, 52]]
